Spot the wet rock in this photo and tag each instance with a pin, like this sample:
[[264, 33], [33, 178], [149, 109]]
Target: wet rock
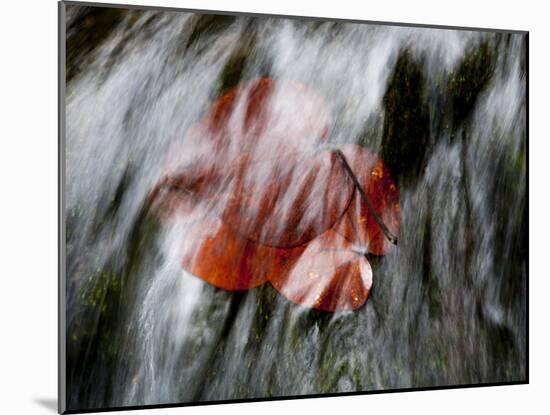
[[206, 26], [406, 122], [469, 80], [246, 61], [87, 29]]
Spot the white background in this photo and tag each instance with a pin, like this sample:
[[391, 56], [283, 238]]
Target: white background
[[28, 219]]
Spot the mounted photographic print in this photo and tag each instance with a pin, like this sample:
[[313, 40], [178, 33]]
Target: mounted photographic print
[[256, 207]]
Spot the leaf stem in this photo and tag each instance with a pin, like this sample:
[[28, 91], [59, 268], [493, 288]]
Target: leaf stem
[[391, 237]]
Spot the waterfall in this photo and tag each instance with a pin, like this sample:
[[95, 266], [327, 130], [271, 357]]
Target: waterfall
[[445, 108]]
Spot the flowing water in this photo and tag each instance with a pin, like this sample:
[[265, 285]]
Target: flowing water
[[445, 109]]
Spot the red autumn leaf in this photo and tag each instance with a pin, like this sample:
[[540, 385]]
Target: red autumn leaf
[[276, 208]]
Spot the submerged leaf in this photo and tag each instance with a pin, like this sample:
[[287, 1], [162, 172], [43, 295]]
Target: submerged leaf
[[257, 200]]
